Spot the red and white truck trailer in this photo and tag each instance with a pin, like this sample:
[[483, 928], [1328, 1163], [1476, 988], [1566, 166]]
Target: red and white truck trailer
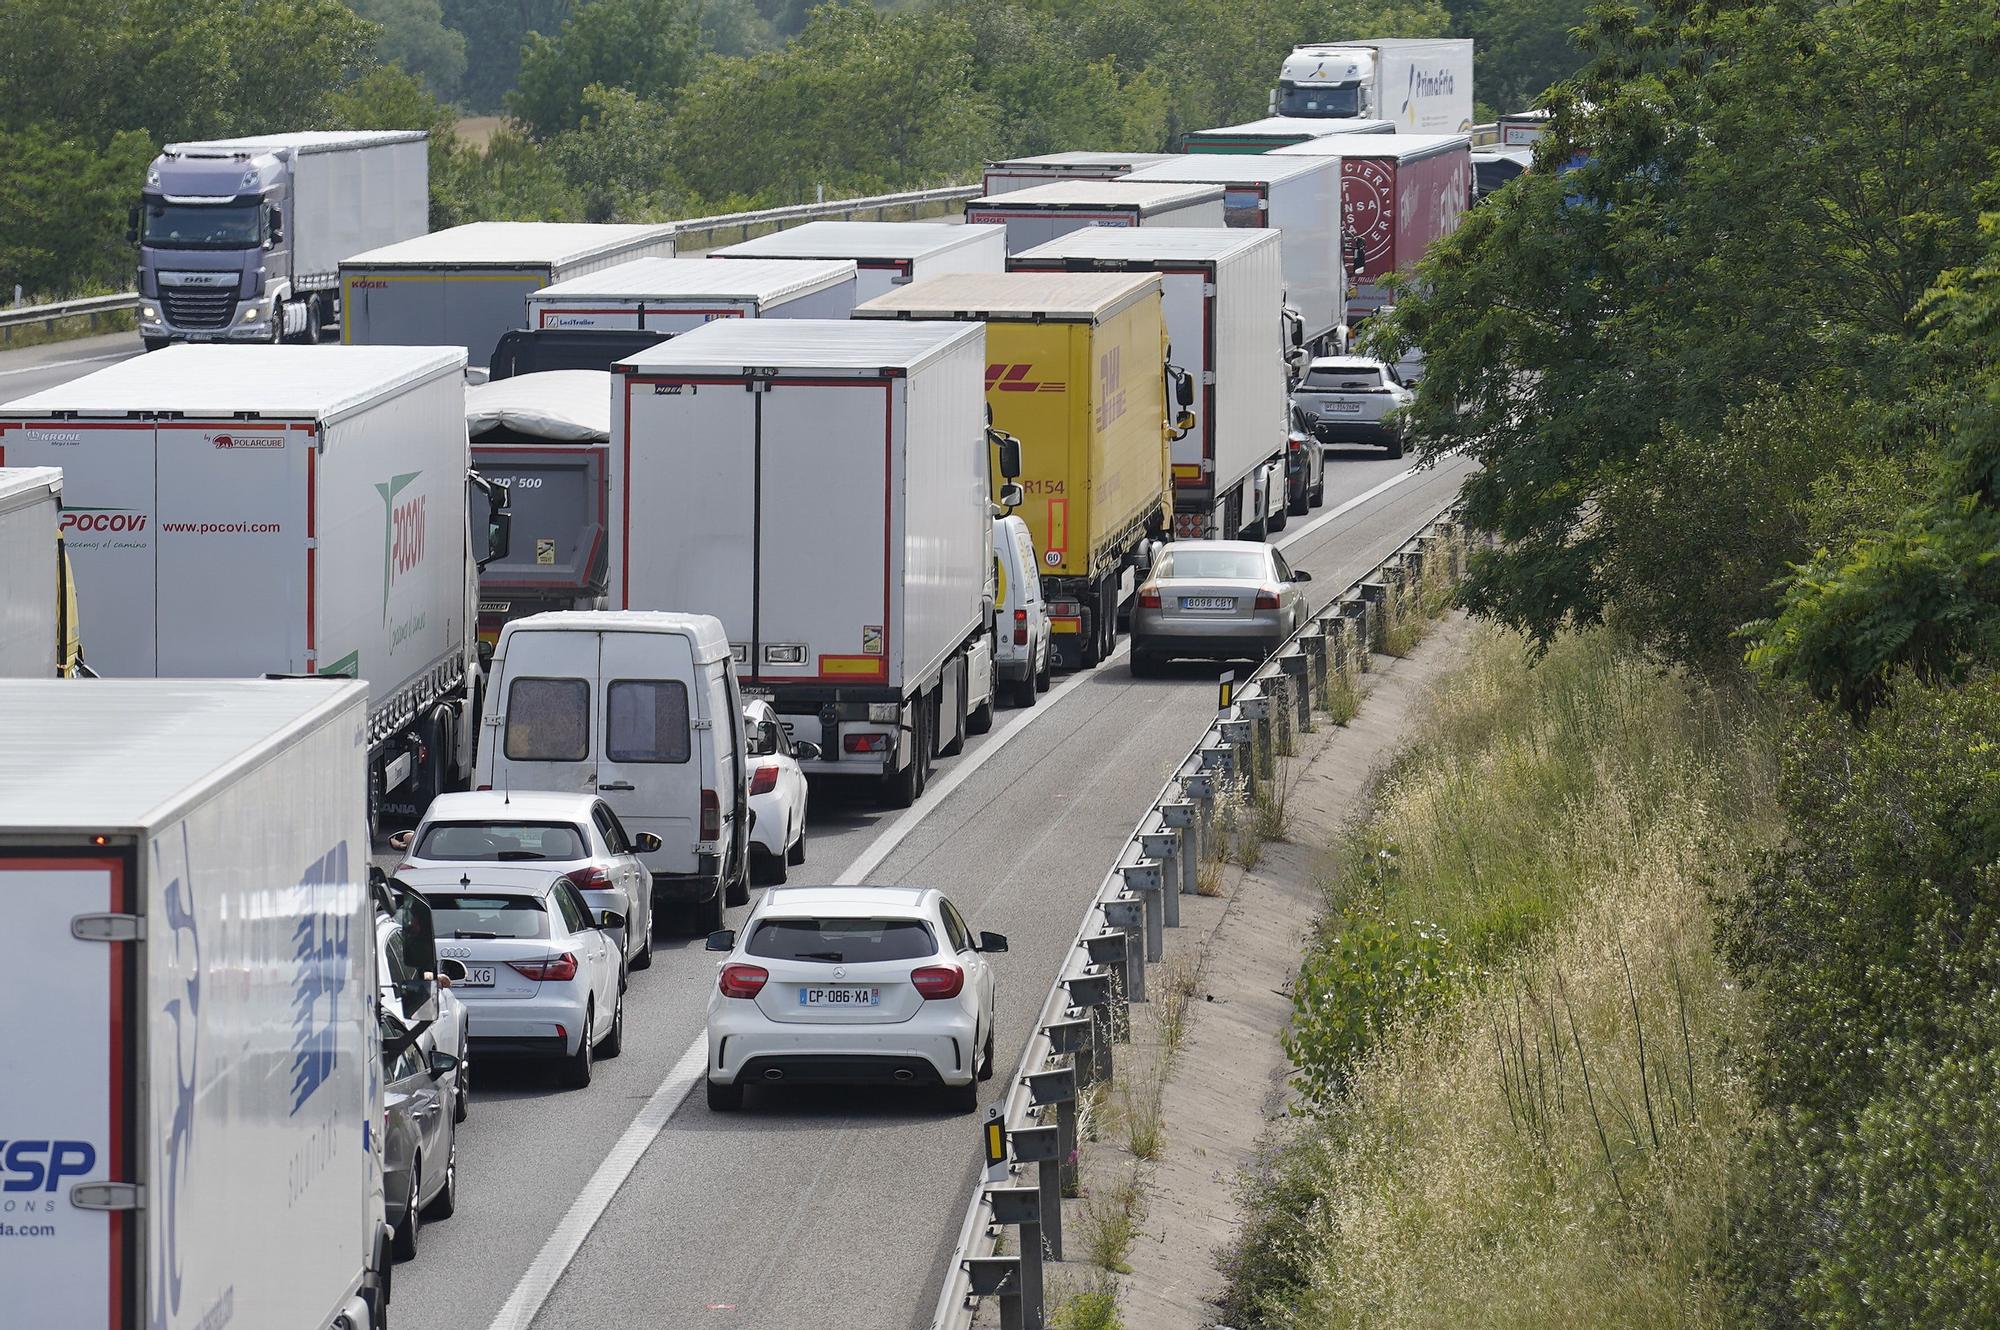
[[887, 254], [1050, 167], [1399, 193], [673, 296], [1040, 213]]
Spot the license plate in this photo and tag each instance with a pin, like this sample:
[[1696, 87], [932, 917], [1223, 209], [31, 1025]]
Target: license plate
[[1208, 603], [840, 997], [1340, 408], [479, 976]]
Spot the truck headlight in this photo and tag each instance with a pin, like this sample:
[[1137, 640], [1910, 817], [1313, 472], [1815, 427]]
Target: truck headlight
[[250, 314], [149, 314]]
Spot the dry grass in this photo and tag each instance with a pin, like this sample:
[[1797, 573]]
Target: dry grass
[[1179, 980], [477, 130], [1145, 1131], [1208, 878], [1093, 1306], [1110, 1223]]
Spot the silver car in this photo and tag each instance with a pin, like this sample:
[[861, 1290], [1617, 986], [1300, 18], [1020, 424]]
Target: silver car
[[1218, 600], [1354, 399]]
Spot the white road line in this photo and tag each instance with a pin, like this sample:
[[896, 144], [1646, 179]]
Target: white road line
[[58, 364], [539, 1280], [1350, 505]]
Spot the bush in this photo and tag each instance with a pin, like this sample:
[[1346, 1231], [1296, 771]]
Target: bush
[[1356, 985]]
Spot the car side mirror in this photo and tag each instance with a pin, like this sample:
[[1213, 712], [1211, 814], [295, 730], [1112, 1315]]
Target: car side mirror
[[443, 1064], [993, 942], [610, 919], [1012, 496], [1301, 575], [401, 840], [805, 750], [452, 970], [723, 939], [646, 842]]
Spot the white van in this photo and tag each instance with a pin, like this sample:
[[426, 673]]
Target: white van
[[1021, 623], [639, 707]]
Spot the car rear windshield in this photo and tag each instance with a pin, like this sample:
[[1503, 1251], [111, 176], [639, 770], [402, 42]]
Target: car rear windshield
[[1244, 565], [842, 941], [463, 914], [500, 842], [1351, 380]]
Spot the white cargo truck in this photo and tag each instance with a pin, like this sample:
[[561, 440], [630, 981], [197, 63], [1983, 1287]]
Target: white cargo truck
[[194, 1112], [468, 285], [240, 240], [672, 296], [1424, 84], [1050, 167], [1223, 293], [33, 585], [235, 511], [1040, 213], [823, 489], [1303, 205], [887, 254]]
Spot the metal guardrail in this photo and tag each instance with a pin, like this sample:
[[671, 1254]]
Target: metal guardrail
[[1123, 931], [915, 203]]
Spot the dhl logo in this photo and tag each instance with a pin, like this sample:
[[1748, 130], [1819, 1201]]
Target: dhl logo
[[1014, 379]]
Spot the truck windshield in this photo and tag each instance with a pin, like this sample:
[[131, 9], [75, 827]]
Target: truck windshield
[[203, 225], [1324, 100]]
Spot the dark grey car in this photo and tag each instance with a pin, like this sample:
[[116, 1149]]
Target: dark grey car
[[419, 1135]]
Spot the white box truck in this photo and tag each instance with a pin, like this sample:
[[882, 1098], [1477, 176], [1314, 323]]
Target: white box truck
[[194, 1111], [821, 488], [1040, 213], [887, 254], [1049, 167], [468, 285], [1223, 291], [241, 239], [235, 511], [33, 585], [674, 295], [1424, 84], [1304, 206]]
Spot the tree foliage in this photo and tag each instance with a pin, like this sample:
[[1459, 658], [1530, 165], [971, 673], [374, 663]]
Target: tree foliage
[[647, 47]]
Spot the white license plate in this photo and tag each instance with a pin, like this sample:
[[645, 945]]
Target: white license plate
[[840, 997], [479, 976], [1208, 603], [1340, 408]]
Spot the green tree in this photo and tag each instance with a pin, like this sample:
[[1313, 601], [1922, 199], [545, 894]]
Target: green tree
[[495, 31], [1520, 47], [414, 36], [647, 47], [620, 159], [64, 202]]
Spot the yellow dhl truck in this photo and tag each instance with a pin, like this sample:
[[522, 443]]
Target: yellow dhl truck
[[38, 633], [1076, 369]]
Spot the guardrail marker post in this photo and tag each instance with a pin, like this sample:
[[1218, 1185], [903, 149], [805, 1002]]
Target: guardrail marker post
[[1041, 1146], [1148, 879], [1166, 846], [1058, 1086], [1022, 1207]]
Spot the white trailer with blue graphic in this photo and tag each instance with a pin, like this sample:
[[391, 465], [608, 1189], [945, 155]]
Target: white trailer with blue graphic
[[190, 1117]]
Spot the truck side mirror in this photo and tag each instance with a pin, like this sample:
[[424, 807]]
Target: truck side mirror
[[1010, 453], [277, 225], [1184, 388], [418, 940], [132, 226], [1012, 496], [488, 523]]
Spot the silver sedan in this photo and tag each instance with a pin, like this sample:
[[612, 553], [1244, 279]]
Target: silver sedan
[[1218, 600]]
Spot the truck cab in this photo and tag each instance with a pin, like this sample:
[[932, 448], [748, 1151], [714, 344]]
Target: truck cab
[[210, 231], [1326, 82]]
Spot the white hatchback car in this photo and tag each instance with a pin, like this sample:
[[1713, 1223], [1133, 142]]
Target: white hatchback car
[[777, 793], [852, 985], [543, 977], [576, 835]]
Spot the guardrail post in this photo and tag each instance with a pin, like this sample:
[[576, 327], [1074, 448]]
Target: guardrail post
[[1298, 672], [1165, 846], [1095, 993], [1058, 1086], [1148, 878], [1365, 616], [1240, 735], [1042, 1146], [1128, 915], [1183, 817], [1021, 1207], [997, 1277]]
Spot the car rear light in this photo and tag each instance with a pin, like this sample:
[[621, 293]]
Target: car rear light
[[1267, 599], [555, 967], [590, 879], [1149, 598], [711, 815], [738, 980], [485, 787], [938, 981], [1020, 628], [764, 779], [865, 743], [1066, 609]]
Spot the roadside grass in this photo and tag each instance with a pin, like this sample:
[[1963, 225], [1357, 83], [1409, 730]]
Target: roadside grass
[[69, 329], [1525, 1085], [1110, 1223], [1091, 1307]]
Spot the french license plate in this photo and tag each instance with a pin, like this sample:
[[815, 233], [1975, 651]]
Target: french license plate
[[479, 976], [840, 997], [1340, 408], [1208, 603]]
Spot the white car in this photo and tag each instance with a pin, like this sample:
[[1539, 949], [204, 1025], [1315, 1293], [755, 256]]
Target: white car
[[576, 835], [852, 985], [450, 1031], [543, 977], [777, 793], [1353, 399], [1021, 647]]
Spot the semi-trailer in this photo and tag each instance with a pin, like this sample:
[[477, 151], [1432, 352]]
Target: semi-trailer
[[1049, 167], [38, 633], [1399, 193], [1076, 370], [468, 285], [672, 296], [1276, 132], [822, 488], [238, 511], [1040, 213], [1424, 84], [194, 1109], [887, 254], [240, 240], [1223, 295]]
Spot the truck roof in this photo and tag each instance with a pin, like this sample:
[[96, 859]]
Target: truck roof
[[310, 141], [1126, 192], [210, 380], [1053, 297], [703, 630], [1226, 169], [29, 482], [499, 244], [663, 278], [573, 405], [858, 240], [1403, 147], [1129, 160], [1277, 125], [121, 755], [1152, 244], [826, 344]]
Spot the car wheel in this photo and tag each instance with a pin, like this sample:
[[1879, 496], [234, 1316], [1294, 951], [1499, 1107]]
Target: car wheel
[[1023, 693], [578, 1068], [1393, 448], [1300, 506], [986, 1057], [725, 1098], [981, 720], [461, 1104], [797, 854], [1277, 521], [1042, 679], [1318, 495], [614, 1042], [644, 960], [445, 1204], [962, 1098], [767, 870], [404, 1240], [708, 914]]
